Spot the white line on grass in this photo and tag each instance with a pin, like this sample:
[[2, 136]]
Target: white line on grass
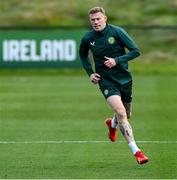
[[83, 142]]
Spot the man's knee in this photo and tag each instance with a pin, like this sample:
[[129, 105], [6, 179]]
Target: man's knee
[[121, 113]]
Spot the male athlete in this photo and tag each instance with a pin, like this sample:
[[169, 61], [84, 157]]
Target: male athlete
[[108, 44]]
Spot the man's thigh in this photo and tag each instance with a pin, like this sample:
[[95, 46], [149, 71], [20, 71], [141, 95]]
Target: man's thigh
[[116, 103], [119, 106]]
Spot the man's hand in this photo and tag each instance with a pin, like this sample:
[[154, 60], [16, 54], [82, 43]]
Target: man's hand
[[95, 78], [110, 62]]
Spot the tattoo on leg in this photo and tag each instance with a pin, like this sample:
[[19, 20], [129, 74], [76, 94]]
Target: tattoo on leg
[[127, 133], [126, 130]]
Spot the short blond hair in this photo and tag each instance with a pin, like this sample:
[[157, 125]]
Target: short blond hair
[[96, 10]]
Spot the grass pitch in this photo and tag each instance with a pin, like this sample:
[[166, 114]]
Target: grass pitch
[[52, 126]]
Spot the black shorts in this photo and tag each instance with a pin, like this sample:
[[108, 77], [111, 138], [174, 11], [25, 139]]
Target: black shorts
[[125, 91]]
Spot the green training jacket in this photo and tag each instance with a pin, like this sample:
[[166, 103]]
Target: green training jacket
[[111, 42]]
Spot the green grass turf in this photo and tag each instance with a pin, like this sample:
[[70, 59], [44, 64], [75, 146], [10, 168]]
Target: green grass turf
[[55, 107]]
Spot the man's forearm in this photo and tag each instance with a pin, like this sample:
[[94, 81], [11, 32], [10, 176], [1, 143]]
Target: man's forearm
[[128, 56]]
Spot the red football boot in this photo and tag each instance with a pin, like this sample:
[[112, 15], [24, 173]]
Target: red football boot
[[112, 131], [141, 158]]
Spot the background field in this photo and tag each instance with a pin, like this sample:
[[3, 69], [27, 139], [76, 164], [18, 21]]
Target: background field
[[74, 12], [63, 106]]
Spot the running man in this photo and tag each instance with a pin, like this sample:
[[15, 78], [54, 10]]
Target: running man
[[108, 44]]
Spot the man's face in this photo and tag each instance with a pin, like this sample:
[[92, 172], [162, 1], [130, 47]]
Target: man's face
[[98, 21]]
